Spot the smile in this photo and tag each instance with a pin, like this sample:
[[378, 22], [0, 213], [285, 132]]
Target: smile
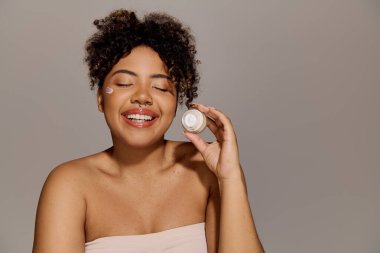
[[140, 117]]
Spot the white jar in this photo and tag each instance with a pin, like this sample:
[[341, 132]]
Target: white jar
[[194, 121]]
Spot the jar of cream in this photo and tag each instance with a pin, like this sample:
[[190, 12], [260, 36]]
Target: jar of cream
[[194, 121]]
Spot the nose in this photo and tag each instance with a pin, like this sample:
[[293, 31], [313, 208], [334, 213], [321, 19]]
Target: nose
[[142, 96]]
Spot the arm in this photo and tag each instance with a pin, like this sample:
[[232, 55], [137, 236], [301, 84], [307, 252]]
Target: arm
[[60, 215], [213, 217], [237, 229]]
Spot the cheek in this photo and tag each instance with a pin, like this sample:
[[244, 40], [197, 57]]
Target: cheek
[[168, 105], [113, 100], [109, 90], [172, 104]]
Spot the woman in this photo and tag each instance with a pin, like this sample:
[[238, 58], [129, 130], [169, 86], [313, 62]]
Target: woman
[[146, 193]]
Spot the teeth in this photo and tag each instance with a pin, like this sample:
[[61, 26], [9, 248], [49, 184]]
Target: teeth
[[139, 117]]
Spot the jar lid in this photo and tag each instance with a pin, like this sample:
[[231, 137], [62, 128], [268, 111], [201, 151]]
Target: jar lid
[[193, 120]]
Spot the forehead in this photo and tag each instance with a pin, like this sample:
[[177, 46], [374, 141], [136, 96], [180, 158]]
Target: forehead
[[142, 60]]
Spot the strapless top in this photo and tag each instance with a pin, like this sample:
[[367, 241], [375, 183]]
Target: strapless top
[[185, 239]]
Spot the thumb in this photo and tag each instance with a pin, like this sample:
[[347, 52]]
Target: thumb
[[197, 140]]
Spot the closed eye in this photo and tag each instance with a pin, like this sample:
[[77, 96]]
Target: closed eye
[[124, 85], [160, 89]]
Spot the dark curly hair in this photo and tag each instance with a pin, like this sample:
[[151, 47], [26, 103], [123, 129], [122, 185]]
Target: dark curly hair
[[121, 31]]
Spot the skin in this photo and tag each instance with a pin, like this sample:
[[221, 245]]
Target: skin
[[180, 183]]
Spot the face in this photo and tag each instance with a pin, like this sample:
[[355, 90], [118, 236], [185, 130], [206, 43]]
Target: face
[[138, 99]]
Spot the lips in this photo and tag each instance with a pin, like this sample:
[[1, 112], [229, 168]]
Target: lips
[[130, 117]]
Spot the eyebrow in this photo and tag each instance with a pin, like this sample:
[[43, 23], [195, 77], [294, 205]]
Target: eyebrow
[[126, 71]]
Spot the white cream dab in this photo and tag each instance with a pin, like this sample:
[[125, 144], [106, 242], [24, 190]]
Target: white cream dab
[[109, 90]]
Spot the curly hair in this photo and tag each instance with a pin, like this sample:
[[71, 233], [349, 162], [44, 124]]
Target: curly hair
[[121, 31]]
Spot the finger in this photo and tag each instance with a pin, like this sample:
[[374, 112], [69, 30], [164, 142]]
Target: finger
[[217, 131], [221, 120], [217, 122], [197, 140], [212, 126], [208, 110]]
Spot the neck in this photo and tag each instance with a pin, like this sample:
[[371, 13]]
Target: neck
[[134, 160]]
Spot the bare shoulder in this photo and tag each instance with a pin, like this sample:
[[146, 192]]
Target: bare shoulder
[[188, 156], [186, 151], [61, 210], [75, 170], [71, 176]]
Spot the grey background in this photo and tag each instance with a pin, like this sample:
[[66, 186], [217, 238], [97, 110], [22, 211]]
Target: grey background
[[299, 79]]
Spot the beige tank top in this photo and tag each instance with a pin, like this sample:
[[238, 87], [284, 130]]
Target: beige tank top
[[185, 239]]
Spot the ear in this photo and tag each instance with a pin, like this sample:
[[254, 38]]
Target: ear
[[100, 100]]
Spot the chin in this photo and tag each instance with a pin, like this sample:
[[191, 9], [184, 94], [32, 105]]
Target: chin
[[142, 141], [139, 138], [142, 144]]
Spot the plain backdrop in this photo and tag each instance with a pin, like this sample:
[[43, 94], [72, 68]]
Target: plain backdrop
[[299, 79]]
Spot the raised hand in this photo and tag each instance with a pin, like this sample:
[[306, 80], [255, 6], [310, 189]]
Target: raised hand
[[222, 155]]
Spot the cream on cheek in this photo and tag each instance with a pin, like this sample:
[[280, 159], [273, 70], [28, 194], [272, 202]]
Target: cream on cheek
[[109, 90]]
